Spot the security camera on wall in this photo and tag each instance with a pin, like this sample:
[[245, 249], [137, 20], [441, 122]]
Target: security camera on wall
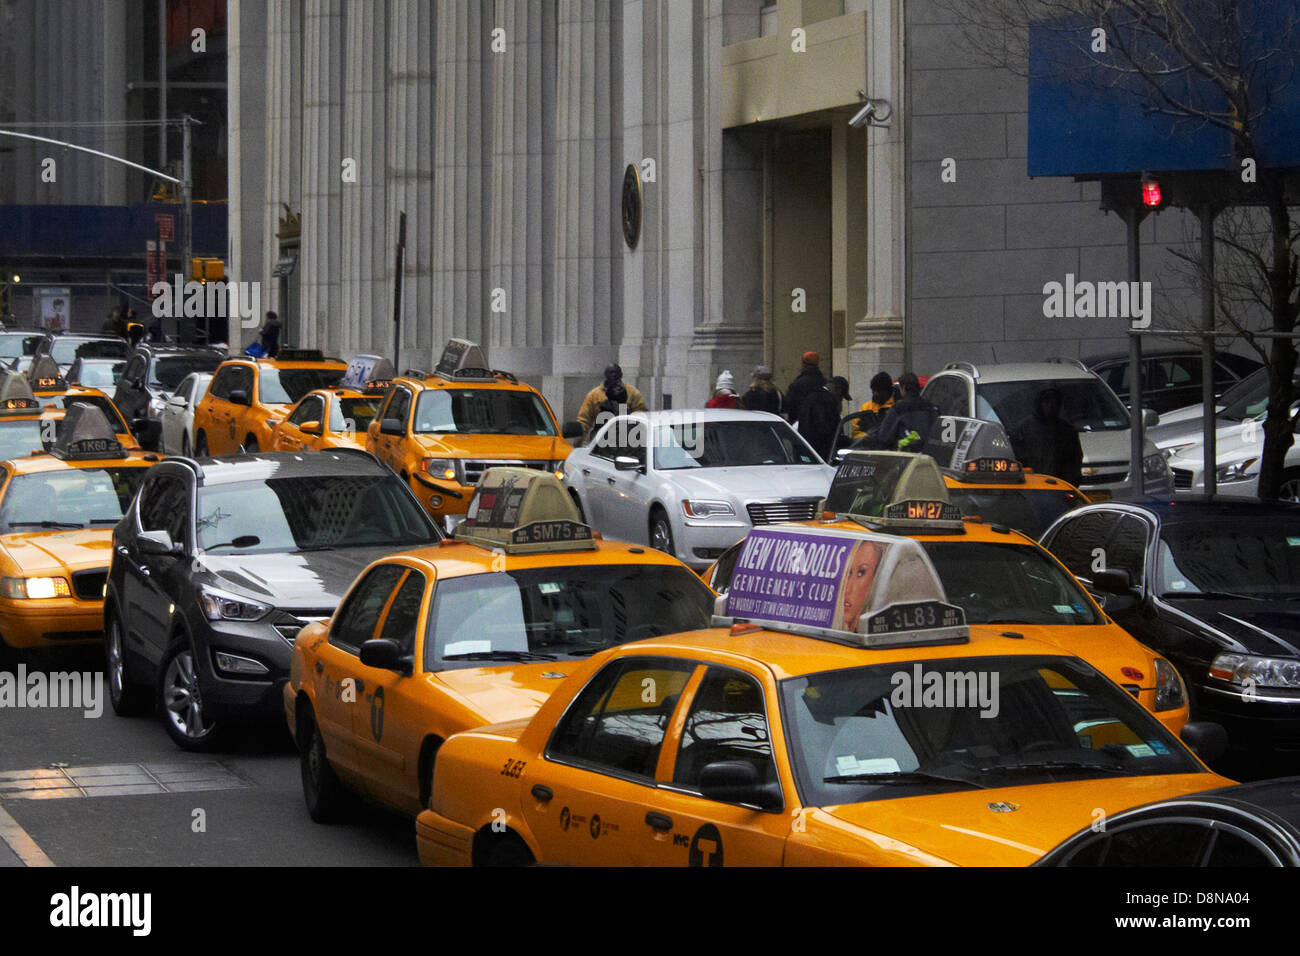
[[872, 113]]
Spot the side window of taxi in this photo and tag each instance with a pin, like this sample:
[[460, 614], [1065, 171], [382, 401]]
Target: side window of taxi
[[164, 506], [241, 379], [360, 613], [399, 405], [404, 614], [1077, 540], [220, 386], [310, 410], [617, 723], [727, 722]]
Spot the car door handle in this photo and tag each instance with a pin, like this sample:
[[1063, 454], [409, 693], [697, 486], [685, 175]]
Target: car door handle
[[610, 480], [542, 793], [659, 821], [320, 668], [586, 471]]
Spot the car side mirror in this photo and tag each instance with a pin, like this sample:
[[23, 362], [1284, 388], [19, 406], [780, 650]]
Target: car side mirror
[[1113, 581], [1150, 417], [571, 430], [737, 781], [392, 426], [310, 428], [159, 543], [384, 654], [1206, 739], [626, 463], [240, 397]]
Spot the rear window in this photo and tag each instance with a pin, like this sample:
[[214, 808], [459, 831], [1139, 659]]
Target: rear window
[[168, 370], [285, 386]]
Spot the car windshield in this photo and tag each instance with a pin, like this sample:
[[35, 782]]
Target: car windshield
[[1008, 584], [168, 370], [359, 412], [65, 350], [1244, 555], [733, 444], [103, 403], [1088, 404], [1249, 397], [100, 374], [21, 438], [560, 612], [285, 386], [310, 513], [1028, 511], [72, 498], [14, 344], [481, 411], [909, 729]]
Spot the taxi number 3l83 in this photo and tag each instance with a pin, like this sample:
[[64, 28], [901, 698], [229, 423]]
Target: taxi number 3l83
[[917, 616]]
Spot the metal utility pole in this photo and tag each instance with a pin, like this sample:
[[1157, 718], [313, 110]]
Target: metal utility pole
[[187, 194], [397, 288], [1209, 411], [1133, 219], [162, 84]]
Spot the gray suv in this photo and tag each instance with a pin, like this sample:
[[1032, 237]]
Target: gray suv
[[219, 562]]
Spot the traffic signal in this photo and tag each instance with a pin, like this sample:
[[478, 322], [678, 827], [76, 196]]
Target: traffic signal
[[203, 269]]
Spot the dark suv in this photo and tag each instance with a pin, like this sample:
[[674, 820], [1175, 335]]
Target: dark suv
[[218, 563], [152, 374], [65, 347]]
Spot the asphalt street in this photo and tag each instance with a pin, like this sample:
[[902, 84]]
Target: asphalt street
[[112, 791]]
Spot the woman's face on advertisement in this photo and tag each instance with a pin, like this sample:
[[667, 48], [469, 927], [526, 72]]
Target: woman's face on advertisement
[[857, 587]]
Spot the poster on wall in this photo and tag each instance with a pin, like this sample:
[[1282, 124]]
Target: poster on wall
[[54, 308]]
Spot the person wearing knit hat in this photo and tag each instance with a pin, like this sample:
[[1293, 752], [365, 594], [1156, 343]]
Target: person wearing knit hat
[[763, 395], [724, 392], [809, 380], [882, 397]]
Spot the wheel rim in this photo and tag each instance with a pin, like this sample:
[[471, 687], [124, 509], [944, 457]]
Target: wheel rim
[[115, 658], [1290, 490], [660, 537], [183, 699]]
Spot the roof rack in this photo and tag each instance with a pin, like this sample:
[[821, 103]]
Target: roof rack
[[963, 367]]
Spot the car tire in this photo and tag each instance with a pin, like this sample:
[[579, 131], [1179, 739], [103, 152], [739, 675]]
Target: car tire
[[328, 801], [201, 446], [181, 701], [506, 851], [1289, 488], [128, 698], [251, 446], [185, 445], [661, 532]]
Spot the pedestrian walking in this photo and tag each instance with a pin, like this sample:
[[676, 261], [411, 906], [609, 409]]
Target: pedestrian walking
[[908, 422], [882, 399], [611, 397], [763, 395], [724, 393], [820, 420], [269, 335], [809, 380], [1048, 443]]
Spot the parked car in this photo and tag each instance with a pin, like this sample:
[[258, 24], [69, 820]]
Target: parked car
[[102, 373], [178, 414], [218, 564], [1171, 378], [692, 483], [1006, 393], [1212, 585], [65, 347], [152, 373]]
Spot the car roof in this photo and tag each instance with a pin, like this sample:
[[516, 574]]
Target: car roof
[[455, 558], [693, 415], [288, 464], [167, 348], [44, 462], [1199, 507], [1027, 372], [435, 381]]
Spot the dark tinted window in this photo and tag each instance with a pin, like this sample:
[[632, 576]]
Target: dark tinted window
[[618, 721], [1088, 405], [949, 393], [1239, 554], [309, 410], [168, 370], [220, 386], [399, 406], [726, 444], [481, 411], [1074, 541], [1029, 512], [727, 721], [359, 615], [65, 350], [284, 386], [725, 568], [1008, 584], [1126, 549], [404, 614], [164, 506]]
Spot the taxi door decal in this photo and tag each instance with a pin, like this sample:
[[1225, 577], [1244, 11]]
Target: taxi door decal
[[377, 714], [706, 847]]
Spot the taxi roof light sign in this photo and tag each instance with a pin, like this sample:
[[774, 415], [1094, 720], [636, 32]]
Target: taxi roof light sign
[[862, 589], [368, 373], [971, 450], [44, 375], [84, 433], [463, 359], [16, 396], [893, 489], [520, 511]]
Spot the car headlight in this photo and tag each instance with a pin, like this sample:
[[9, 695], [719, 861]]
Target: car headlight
[[1155, 466], [34, 588], [219, 606], [703, 508], [444, 469], [1240, 471], [558, 468], [235, 664], [1260, 671], [1170, 693]]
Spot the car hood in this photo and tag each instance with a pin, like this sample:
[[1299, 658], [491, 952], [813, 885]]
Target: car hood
[[505, 693], [1230, 446], [51, 552], [1266, 628], [754, 481], [490, 447], [1110, 446], [1188, 414], [1107, 647], [960, 828], [316, 579]]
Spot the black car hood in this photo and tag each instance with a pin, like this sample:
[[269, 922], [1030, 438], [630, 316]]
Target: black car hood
[[1267, 628], [314, 579]]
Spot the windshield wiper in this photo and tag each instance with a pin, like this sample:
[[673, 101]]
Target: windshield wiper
[[313, 547], [45, 524], [1059, 765], [499, 656], [901, 776], [1209, 594]]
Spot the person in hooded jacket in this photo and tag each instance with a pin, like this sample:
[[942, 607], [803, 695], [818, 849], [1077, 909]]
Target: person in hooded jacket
[[809, 380], [821, 415], [908, 421], [1048, 443], [612, 397]]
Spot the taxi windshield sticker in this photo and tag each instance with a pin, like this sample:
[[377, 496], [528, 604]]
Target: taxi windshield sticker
[[865, 487]]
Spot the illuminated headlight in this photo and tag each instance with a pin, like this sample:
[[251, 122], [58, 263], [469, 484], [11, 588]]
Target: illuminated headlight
[[234, 664], [227, 607], [1240, 471], [701, 508], [444, 469], [1155, 466], [1170, 693], [558, 468], [34, 588], [1260, 671]]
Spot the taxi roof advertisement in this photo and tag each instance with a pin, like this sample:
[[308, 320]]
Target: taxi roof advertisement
[[810, 580]]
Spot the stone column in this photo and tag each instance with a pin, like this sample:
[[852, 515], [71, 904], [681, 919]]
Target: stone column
[[283, 157], [247, 32]]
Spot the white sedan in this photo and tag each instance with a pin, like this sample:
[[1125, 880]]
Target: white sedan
[[693, 482], [1238, 447], [178, 414]]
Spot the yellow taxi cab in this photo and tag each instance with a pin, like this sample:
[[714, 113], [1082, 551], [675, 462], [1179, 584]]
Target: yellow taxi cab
[[998, 576], [248, 397], [477, 629], [839, 712], [337, 417], [57, 512], [440, 432], [28, 422]]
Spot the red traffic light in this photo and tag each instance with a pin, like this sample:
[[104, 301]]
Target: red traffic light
[[1150, 193]]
